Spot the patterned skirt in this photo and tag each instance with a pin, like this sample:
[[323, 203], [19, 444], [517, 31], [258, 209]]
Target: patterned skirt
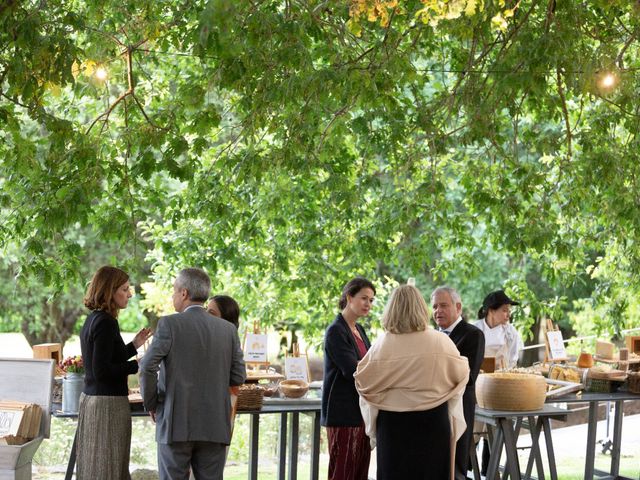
[[103, 438], [349, 453]]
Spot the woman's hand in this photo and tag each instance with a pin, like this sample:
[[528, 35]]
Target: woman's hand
[[141, 337]]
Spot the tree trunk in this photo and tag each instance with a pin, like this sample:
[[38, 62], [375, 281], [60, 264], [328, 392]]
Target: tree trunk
[[56, 327], [529, 357]]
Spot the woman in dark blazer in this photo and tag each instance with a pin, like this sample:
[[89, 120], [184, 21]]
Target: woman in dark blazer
[[104, 419], [345, 343]]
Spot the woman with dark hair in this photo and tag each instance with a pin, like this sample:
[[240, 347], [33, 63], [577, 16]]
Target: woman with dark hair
[[345, 343], [104, 417], [225, 307], [502, 340]]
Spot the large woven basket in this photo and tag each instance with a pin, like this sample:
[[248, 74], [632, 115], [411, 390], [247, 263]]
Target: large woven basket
[[250, 397], [514, 392]]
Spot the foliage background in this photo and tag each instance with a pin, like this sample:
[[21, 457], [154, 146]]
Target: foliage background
[[286, 146]]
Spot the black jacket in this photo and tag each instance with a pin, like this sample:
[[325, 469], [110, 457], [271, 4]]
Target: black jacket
[[105, 356], [340, 406], [469, 340]]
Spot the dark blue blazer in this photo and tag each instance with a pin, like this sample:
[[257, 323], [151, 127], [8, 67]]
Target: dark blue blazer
[[340, 406]]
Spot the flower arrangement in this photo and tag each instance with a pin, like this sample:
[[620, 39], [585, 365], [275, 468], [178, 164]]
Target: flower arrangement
[[72, 364]]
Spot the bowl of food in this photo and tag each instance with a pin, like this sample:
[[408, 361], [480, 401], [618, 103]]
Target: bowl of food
[[293, 388], [270, 387]]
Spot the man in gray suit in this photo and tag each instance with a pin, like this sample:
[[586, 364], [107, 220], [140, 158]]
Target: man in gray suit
[[199, 357]]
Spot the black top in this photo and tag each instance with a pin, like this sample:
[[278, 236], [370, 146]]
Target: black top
[[340, 407], [105, 356], [469, 340]]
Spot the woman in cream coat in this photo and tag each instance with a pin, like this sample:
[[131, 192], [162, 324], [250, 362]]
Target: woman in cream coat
[[411, 384]]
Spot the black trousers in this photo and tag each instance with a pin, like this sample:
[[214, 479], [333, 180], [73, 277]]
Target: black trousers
[[414, 445], [463, 445]]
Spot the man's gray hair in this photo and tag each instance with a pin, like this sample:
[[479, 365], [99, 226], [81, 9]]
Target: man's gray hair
[[196, 282], [453, 293]]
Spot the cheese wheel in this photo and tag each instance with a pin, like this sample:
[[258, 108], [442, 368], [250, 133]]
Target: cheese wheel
[[511, 391]]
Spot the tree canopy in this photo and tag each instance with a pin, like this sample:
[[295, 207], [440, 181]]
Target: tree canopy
[[286, 146]]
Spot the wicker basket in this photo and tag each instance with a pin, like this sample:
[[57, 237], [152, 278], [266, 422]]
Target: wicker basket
[[516, 392], [293, 388], [633, 382], [601, 385], [250, 397]]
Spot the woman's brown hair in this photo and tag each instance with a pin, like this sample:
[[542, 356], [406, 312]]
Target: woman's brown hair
[[229, 308], [352, 288], [103, 285]]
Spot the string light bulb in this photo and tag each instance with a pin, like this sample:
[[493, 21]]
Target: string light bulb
[[607, 81], [101, 74]]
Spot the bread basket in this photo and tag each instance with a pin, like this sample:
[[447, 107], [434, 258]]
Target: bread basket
[[514, 392], [250, 397], [293, 388]]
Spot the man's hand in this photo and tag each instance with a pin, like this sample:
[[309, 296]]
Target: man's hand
[[152, 414]]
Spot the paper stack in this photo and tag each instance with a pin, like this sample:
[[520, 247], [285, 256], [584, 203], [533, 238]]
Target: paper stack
[[19, 422]]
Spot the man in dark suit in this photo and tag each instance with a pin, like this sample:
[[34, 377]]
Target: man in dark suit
[[447, 313], [199, 358]]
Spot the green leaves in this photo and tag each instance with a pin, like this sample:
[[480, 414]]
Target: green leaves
[[283, 146]]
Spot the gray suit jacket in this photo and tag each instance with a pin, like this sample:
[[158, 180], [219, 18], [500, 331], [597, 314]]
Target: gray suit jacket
[[199, 357]]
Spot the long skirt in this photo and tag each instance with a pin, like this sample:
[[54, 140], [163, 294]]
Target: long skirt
[[349, 453], [104, 438], [414, 445]]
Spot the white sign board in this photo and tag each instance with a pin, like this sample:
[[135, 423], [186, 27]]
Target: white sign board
[[255, 348], [295, 368], [556, 345]]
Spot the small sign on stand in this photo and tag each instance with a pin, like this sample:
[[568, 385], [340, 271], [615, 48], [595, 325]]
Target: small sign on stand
[[296, 366], [554, 344], [255, 347], [255, 356]]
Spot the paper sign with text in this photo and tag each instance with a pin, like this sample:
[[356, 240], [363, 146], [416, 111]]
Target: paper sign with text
[[556, 345], [255, 348], [295, 368]]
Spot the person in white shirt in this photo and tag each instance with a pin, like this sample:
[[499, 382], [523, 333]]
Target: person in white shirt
[[502, 340]]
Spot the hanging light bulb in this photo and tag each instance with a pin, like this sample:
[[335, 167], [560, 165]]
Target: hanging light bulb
[[101, 73], [607, 81]]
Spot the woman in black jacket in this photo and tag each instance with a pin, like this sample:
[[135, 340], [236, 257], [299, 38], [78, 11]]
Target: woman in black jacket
[[345, 343], [104, 419]]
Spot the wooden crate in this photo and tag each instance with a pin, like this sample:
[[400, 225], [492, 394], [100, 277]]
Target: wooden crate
[[633, 343], [25, 380], [48, 351]]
